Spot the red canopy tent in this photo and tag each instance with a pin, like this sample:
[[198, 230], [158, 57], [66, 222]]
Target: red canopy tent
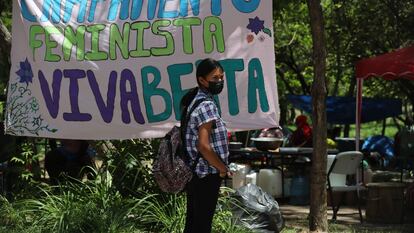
[[390, 66]]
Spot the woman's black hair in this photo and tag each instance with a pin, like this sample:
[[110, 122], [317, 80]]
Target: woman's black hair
[[206, 66], [186, 101]]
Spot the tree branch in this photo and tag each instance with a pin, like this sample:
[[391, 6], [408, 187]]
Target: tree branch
[[5, 40], [282, 77]]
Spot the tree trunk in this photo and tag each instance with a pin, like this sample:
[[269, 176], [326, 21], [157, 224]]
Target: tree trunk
[[318, 208], [5, 47]]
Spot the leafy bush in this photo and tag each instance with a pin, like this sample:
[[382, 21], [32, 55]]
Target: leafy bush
[[12, 220], [8, 215], [93, 206], [166, 213], [122, 198], [129, 162]]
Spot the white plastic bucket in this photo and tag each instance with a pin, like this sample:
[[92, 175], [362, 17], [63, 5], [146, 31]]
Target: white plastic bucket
[[251, 178], [270, 180]]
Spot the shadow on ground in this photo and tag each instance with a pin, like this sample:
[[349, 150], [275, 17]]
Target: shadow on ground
[[296, 218]]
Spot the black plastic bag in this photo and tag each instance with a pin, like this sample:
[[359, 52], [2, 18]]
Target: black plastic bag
[[260, 211]]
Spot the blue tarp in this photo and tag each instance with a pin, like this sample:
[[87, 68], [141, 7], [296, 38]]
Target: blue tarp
[[341, 110]]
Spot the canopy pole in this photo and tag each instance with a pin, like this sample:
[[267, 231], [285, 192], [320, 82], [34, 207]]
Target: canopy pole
[[358, 113]]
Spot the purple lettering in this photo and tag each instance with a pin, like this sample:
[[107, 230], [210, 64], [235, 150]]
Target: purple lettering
[[107, 110], [75, 115], [52, 103], [130, 96]]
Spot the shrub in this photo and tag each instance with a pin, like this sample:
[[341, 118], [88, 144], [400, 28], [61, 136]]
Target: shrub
[[93, 206]]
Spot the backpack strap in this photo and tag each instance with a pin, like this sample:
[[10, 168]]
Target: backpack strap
[[195, 105], [187, 118], [184, 129]]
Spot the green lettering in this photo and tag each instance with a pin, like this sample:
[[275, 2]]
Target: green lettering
[[118, 40], [187, 32], [169, 45], [95, 54], [71, 39], [140, 26], [51, 44], [33, 42], [216, 34]]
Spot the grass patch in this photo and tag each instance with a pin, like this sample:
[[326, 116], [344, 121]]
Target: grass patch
[[302, 225], [375, 128]]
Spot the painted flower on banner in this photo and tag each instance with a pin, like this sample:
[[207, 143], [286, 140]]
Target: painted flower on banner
[[23, 110], [25, 72], [256, 25]]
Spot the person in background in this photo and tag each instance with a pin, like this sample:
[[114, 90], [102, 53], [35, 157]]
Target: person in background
[[302, 136], [404, 140], [404, 144], [231, 136], [71, 158]]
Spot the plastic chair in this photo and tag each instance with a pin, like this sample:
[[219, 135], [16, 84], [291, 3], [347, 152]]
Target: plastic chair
[[344, 163]]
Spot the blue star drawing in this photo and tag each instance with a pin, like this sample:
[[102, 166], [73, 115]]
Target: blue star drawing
[[255, 25], [25, 72]]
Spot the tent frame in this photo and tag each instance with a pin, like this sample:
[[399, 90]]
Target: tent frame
[[394, 65]]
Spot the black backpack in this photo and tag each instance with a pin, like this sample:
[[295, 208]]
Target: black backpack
[[171, 168]]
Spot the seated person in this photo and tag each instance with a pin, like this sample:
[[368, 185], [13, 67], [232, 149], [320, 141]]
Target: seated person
[[404, 144], [72, 159], [404, 140], [384, 148], [302, 136]]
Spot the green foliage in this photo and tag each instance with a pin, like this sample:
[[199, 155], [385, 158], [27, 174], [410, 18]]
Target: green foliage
[[293, 47], [26, 161], [6, 18], [93, 206], [97, 206], [24, 167], [12, 220], [355, 29], [8, 215], [130, 165], [166, 214]]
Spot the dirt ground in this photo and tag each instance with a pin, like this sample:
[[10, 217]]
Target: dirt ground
[[296, 219]]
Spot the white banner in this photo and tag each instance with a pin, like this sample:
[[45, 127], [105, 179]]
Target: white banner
[[117, 69]]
